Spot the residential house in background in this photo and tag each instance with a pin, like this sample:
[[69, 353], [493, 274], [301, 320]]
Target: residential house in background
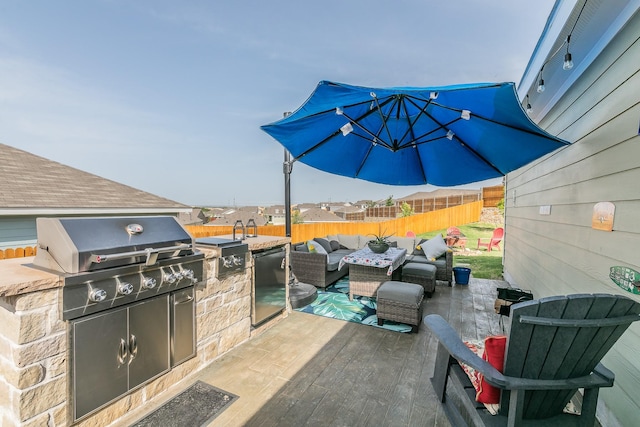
[[231, 216], [557, 239], [318, 215], [33, 186], [350, 213], [275, 214]]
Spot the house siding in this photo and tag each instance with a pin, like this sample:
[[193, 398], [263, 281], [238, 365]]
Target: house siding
[[17, 232], [560, 253]]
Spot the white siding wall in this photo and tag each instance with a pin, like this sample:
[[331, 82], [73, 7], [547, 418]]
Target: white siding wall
[[560, 253]]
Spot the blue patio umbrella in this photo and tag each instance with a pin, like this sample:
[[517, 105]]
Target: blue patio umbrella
[[444, 136]]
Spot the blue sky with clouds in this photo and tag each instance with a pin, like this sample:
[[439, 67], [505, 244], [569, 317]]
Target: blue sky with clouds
[[169, 96]]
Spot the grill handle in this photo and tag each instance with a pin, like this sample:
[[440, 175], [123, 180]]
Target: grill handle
[[150, 254]]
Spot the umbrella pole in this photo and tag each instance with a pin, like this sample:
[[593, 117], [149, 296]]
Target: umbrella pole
[[287, 166], [286, 169]]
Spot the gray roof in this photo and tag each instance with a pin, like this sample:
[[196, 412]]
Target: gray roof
[[231, 218], [30, 182], [319, 215]]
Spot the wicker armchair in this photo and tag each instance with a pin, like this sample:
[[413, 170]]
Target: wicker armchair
[[311, 268]]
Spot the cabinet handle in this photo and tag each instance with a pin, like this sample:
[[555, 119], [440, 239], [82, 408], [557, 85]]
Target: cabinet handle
[[133, 347], [122, 351], [183, 301]]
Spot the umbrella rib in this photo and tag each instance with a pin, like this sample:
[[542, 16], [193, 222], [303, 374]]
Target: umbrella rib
[[384, 119], [373, 140], [484, 159], [506, 125], [423, 111]]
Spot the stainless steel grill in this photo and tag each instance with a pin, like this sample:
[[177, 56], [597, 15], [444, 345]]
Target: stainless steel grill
[[129, 296], [112, 261]]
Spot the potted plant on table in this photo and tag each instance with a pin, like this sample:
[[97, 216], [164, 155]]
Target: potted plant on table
[[379, 244]]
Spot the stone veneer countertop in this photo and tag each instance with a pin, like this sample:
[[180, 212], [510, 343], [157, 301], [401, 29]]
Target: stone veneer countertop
[[259, 242], [20, 277]]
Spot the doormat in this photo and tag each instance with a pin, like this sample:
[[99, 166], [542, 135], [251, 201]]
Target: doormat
[[334, 302], [196, 406]]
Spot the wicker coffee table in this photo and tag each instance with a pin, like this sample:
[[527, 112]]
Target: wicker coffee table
[[368, 270]]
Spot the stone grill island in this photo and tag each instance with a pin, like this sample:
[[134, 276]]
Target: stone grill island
[[35, 342]]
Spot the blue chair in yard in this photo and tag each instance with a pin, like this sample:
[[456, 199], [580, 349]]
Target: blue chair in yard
[[553, 348]]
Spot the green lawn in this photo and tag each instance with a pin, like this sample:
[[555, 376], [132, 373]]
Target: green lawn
[[483, 265]]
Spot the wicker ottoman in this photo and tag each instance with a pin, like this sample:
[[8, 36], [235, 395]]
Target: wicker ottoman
[[422, 274], [400, 302]]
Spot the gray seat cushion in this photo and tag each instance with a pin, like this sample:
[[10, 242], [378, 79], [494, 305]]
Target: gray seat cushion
[[333, 259], [427, 271], [439, 263], [406, 293]]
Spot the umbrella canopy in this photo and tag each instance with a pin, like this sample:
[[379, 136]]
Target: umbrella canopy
[[443, 136]]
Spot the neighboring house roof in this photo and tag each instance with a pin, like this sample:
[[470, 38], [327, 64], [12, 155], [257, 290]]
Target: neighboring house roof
[[274, 210], [195, 217], [319, 215], [231, 218], [348, 209], [35, 185]]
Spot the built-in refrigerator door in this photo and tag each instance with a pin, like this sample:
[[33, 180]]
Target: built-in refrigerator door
[[183, 331], [269, 284]]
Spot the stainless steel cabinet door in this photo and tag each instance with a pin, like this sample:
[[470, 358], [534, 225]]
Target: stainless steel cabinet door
[[100, 360], [183, 342], [148, 339]]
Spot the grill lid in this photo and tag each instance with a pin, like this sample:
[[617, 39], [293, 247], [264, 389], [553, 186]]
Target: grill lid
[[75, 245]]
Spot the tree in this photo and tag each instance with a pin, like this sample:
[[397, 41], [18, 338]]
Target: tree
[[296, 218], [407, 210], [389, 201]]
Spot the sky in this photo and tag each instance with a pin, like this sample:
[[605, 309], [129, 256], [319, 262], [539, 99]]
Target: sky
[[169, 96]]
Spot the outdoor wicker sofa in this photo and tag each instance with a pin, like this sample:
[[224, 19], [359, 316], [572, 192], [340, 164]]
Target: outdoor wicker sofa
[[321, 270]]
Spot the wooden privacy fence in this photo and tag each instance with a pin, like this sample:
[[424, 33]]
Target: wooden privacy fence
[[418, 223], [18, 252], [437, 203], [491, 196]]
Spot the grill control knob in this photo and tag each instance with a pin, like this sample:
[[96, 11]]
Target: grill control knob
[[227, 262], [237, 260], [125, 288], [97, 295], [170, 278], [188, 274], [149, 283]]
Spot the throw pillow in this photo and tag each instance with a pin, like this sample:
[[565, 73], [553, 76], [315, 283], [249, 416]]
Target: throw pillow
[[434, 247], [324, 243], [494, 348], [315, 247], [335, 245], [418, 248]]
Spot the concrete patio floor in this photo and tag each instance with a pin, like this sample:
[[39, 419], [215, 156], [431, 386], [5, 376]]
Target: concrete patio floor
[[313, 371]]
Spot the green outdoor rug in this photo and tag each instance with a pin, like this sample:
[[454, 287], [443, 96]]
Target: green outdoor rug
[[334, 302]]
